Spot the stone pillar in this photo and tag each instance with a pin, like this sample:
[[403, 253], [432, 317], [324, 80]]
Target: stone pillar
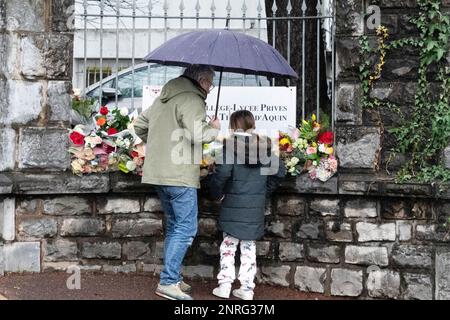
[[358, 133], [35, 73]]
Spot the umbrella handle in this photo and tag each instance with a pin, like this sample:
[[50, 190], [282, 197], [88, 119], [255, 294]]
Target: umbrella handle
[[218, 93]]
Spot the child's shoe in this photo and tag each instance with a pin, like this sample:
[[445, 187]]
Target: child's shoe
[[222, 291], [243, 293]]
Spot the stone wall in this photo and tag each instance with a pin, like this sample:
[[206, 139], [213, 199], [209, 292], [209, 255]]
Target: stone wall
[[360, 143], [340, 238], [359, 235], [35, 84]]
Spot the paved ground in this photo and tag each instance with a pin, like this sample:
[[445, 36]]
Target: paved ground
[[52, 286]]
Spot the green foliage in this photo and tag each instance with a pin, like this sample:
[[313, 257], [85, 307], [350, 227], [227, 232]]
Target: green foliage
[[83, 107], [121, 122], [426, 132]]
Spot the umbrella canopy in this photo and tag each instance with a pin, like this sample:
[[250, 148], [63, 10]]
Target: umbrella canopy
[[224, 50]]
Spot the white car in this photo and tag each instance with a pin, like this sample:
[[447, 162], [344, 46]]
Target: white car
[[156, 75]]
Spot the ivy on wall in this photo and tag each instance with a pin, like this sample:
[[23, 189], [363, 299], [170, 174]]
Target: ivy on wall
[[425, 133]]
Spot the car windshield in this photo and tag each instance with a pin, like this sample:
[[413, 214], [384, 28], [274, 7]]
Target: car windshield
[[158, 75]]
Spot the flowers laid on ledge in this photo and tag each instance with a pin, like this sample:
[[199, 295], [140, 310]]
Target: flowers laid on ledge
[[111, 146], [309, 148]]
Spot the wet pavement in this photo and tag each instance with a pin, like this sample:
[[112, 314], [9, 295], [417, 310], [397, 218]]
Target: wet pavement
[[95, 286]]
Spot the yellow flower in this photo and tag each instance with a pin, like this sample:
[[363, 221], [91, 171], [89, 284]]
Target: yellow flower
[[329, 150], [313, 117], [284, 141]]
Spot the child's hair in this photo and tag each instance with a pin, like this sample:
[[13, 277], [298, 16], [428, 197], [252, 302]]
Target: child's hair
[[242, 120]]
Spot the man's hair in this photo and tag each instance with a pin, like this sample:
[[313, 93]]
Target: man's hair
[[199, 72]]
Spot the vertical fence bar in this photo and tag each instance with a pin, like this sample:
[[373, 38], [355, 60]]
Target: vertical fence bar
[[289, 9], [166, 8], [102, 7], [85, 80], [274, 10], [318, 60], [333, 69], [116, 95], [244, 13], [133, 51], [227, 26], [150, 7], [197, 14], [259, 10], [303, 57], [181, 7], [213, 14]]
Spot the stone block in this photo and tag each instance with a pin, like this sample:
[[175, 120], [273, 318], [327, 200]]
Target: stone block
[[290, 251], [22, 257], [67, 206], [413, 256], [323, 253], [275, 275], [59, 100], [326, 207], [7, 219], [357, 148], [383, 284], [37, 228], [137, 227], [7, 149], [82, 227], [346, 282], [41, 148], [366, 255], [310, 279], [118, 205], [375, 232], [60, 250], [101, 250], [360, 209]]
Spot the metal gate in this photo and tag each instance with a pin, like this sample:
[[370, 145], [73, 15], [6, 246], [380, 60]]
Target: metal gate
[[112, 35]]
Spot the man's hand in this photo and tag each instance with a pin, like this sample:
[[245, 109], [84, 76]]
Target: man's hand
[[215, 123]]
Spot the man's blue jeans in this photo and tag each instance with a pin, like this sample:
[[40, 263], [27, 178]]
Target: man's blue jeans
[[180, 208]]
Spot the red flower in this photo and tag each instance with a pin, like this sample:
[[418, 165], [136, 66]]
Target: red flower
[[104, 111], [77, 138], [107, 148], [326, 137], [112, 131], [134, 154]]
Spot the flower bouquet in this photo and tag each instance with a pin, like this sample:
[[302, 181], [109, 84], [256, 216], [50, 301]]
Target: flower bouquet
[[309, 148], [210, 153], [111, 146]]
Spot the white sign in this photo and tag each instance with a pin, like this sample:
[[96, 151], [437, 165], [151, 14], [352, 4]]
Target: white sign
[[273, 107]]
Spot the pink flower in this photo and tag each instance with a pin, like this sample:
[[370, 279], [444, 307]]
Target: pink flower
[[295, 134], [311, 150]]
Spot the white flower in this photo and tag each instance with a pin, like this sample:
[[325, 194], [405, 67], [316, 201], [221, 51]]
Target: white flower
[[322, 148], [314, 163], [79, 128], [123, 112], [295, 160], [131, 165]]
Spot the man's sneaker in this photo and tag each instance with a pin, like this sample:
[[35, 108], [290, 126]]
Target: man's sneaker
[[222, 291], [172, 292], [244, 294], [185, 287]]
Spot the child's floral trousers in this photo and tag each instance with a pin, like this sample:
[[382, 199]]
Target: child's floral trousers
[[247, 270]]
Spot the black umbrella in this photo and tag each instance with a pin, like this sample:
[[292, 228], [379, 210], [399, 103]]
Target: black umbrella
[[223, 50]]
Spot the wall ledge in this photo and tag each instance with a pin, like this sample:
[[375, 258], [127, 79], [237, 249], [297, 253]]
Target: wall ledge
[[17, 183]]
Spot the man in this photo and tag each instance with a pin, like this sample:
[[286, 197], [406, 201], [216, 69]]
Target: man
[[174, 128]]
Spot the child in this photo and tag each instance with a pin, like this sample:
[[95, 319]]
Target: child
[[242, 182]]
